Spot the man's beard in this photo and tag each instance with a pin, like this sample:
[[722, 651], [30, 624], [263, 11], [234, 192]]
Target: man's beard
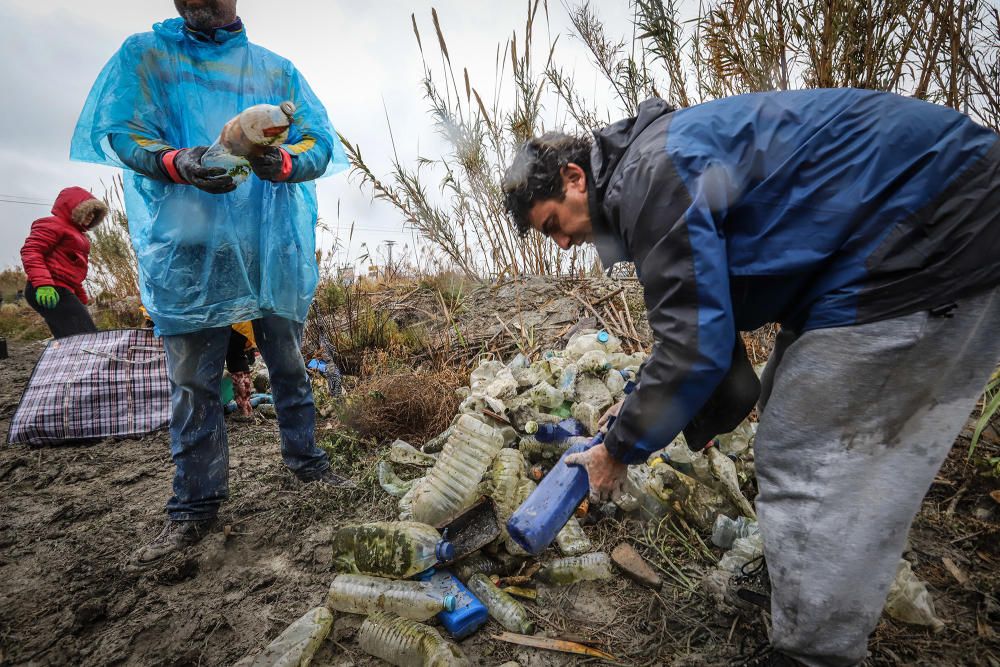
[[204, 18]]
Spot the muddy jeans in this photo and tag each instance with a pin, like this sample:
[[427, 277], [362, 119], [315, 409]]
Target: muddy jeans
[[197, 431], [856, 422]]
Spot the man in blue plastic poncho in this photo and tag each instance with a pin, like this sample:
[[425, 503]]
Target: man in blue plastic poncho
[[213, 252]]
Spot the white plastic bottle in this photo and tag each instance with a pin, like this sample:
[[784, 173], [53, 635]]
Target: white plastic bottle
[[506, 476], [363, 594], [407, 643], [451, 485], [253, 129], [585, 342], [571, 569]]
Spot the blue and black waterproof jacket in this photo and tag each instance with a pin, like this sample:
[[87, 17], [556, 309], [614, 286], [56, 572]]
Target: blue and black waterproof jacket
[[818, 208]]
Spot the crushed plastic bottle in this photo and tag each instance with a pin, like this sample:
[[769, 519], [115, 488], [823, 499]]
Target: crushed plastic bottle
[[390, 481], [594, 362], [571, 569], [401, 451], [476, 563], [567, 381], [571, 540], [397, 549], [724, 470], [582, 343], [363, 594], [484, 374], [406, 502], [503, 386], [545, 395], [507, 611], [744, 550], [587, 415], [739, 440], [567, 428], [407, 643], [506, 476], [909, 600], [725, 531], [298, 643], [592, 390], [254, 129], [535, 451], [614, 380], [451, 485]]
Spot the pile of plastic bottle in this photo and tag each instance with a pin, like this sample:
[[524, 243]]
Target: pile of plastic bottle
[[515, 422]]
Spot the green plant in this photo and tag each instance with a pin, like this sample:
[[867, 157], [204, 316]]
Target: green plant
[[991, 408], [114, 270]]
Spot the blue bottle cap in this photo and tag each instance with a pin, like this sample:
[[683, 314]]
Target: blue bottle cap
[[450, 602], [602, 336], [444, 551]]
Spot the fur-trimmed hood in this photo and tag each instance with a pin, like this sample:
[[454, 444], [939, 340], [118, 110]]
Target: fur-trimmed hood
[[76, 205]]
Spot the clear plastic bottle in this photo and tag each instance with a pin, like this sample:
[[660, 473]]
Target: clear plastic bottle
[[503, 607], [724, 470], [451, 485], [407, 643], [299, 642], [406, 502], [390, 481], [615, 382], [397, 549], [726, 530], [535, 451], [401, 451], [595, 362], [567, 381], [744, 550], [484, 374], [503, 386], [252, 130], [363, 594], [566, 428], [588, 415], [545, 395], [569, 570], [582, 343], [592, 390], [571, 540], [476, 563], [506, 476]]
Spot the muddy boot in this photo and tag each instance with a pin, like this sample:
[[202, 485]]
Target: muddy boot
[[329, 478], [175, 537]]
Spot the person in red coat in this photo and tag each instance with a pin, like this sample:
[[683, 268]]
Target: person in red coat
[[55, 257]]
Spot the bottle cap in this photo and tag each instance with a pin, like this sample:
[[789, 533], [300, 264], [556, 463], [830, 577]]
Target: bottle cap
[[602, 336], [444, 551], [288, 108], [531, 427], [450, 602]]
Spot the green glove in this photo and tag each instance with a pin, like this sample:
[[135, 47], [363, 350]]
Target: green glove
[[47, 296]]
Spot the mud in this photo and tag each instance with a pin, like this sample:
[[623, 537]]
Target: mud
[[71, 516]]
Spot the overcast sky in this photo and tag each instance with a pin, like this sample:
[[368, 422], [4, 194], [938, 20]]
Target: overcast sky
[[360, 57]]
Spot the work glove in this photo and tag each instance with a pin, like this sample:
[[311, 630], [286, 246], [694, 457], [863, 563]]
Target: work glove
[[270, 165], [213, 180], [47, 296], [606, 474]]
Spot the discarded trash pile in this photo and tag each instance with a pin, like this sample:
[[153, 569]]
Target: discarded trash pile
[[450, 557]]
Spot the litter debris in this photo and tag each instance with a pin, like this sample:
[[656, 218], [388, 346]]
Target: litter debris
[[295, 646], [363, 594], [401, 451], [554, 645], [405, 643], [572, 569], [632, 564], [909, 600], [397, 549], [507, 611], [390, 482]]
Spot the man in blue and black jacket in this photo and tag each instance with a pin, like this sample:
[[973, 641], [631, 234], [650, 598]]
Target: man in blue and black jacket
[[867, 225]]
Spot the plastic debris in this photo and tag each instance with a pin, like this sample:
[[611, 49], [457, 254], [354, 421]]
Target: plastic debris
[[405, 643], [363, 594], [401, 451], [569, 570], [726, 530], [296, 646], [909, 600], [507, 611], [390, 482], [390, 548]]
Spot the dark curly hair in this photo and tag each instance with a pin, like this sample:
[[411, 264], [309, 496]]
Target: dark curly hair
[[536, 173]]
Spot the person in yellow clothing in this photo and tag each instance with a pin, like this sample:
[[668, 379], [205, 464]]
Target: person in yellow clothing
[[240, 356]]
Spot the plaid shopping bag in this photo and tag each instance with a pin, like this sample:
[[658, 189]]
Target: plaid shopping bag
[[96, 385]]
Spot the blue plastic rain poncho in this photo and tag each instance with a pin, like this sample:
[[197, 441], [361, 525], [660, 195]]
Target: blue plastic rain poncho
[[209, 260]]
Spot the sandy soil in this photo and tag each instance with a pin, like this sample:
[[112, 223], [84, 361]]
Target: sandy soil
[[71, 516]]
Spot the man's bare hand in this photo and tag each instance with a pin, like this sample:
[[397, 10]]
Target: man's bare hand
[[607, 475], [609, 413]]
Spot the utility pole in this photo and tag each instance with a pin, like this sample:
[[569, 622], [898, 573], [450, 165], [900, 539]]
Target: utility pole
[[389, 245]]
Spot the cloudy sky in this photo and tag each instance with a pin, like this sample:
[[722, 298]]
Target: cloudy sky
[[360, 57]]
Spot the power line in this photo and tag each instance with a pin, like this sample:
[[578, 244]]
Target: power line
[[28, 203]]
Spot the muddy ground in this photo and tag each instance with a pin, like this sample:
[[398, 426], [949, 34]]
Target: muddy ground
[[71, 516]]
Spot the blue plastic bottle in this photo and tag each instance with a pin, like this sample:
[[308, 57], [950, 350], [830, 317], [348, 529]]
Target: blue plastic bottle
[[536, 522], [469, 613], [566, 428]]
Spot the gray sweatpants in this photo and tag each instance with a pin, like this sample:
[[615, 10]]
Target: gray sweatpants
[[855, 423]]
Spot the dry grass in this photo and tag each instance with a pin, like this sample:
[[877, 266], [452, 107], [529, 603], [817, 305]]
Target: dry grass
[[411, 406]]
